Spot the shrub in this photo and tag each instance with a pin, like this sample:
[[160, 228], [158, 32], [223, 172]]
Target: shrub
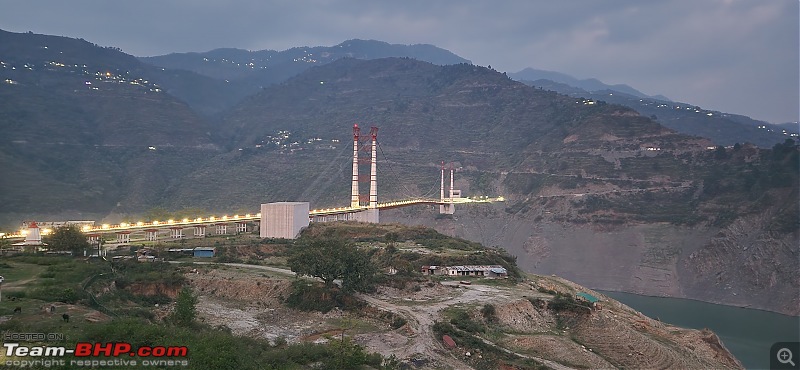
[[306, 296], [563, 302], [280, 342], [398, 322], [15, 294], [463, 321], [489, 313], [185, 310]]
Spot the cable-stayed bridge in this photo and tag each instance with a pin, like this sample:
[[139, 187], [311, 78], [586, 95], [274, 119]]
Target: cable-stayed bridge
[[362, 207]]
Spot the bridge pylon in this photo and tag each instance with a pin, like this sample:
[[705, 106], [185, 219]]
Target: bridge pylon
[[354, 194], [453, 193], [370, 214]]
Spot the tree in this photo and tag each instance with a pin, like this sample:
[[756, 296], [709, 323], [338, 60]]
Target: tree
[[719, 153], [67, 238], [391, 238], [185, 310], [359, 272], [489, 313], [345, 355], [333, 259]]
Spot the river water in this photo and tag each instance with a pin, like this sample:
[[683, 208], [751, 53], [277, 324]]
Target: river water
[[747, 333]]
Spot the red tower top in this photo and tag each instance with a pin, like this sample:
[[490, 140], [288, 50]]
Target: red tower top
[[356, 131]]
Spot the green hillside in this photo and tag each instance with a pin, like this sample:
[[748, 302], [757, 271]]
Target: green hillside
[[83, 128]]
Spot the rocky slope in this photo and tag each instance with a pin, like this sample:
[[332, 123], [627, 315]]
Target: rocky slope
[[734, 265], [523, 326]]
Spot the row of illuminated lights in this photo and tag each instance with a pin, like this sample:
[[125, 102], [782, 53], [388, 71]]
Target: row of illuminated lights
[[125, 225], [335, 209]]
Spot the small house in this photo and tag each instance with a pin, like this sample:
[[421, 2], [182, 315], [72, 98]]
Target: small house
[[477, 270], [205, 252], [497, 271], [493, 271], [434, 270], [184, 251], [592, 300]]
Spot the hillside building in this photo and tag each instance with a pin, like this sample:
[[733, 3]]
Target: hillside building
[[490, 271], [283, 219]]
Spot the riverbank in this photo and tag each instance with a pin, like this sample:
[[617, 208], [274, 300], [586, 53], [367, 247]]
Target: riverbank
[[747, 333]]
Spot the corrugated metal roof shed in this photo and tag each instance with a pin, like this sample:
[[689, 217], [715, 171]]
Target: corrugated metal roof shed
[[588, 297], [205, 252], [474, 267]]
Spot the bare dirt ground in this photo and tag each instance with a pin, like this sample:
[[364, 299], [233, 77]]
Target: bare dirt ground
[[422, 311], [248, 300]]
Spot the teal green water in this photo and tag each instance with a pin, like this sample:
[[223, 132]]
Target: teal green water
[[747, 333]]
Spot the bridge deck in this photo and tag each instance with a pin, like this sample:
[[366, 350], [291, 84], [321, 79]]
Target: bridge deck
[[123, 227]]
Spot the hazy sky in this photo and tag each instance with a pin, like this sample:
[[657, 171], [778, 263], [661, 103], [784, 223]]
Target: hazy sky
[[737, 56]]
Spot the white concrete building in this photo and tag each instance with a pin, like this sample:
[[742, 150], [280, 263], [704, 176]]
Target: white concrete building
[[283, 219]]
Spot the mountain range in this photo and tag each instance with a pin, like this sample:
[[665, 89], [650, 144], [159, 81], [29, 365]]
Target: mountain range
[[586, 85], [246, 72], [722, 128], [591, 186]]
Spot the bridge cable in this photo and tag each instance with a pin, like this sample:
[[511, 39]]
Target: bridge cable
[[408, 192], [322, 176]]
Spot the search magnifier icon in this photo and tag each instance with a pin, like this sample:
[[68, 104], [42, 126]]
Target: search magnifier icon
[[785, 356]]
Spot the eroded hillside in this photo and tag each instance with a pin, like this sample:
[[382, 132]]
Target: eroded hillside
[[530, 321]]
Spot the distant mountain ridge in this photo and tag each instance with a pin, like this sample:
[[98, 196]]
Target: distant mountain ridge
[[230, 63], [246, 72], [589, 84], [722, 128]]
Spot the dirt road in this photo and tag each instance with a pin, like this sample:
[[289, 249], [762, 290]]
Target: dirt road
[[421, 315]]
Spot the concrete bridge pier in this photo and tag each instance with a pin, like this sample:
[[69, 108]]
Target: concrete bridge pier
[[200, 231], [123, 237], [241, 227], [151, 235], [93, 238], [222, 229], [176, 232], [367, 215]]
